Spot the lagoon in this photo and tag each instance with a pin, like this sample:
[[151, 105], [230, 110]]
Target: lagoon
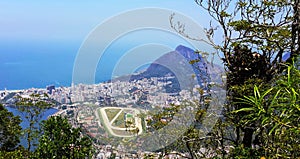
[[25, 122]]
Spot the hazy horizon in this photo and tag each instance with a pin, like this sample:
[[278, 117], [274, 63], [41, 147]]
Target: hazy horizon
[[39, 41]]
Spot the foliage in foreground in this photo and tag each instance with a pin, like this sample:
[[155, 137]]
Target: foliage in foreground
[[276, 115], [33, 109], [18, 153], [10, 130], [61, 140]]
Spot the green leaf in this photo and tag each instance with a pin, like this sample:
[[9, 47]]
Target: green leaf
[[244, 110], [224, 14]]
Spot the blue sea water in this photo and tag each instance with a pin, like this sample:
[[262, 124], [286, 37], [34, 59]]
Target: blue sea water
[[25, 122], [39, 71], [24, 67], [35, 63], [27, 64]]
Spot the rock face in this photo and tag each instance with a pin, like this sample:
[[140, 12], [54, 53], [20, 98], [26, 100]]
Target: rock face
[[175, 68]]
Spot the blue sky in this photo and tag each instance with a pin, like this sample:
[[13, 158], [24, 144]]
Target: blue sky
[[39, 40], [71, 21]]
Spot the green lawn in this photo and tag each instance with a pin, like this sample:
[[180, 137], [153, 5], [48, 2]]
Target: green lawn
[[102, 122], [111, 113], [119, 122]]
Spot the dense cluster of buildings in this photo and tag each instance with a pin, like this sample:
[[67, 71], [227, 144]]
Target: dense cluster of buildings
[[145, 94]]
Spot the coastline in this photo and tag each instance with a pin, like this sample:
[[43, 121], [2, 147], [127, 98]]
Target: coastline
[[58, 113], [19, 90], [12, 91]]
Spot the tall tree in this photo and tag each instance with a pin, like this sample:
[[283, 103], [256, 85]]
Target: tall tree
[[295, 46], [256, 35], [10, 130], [61, 140], [33, 107], [265, 26]]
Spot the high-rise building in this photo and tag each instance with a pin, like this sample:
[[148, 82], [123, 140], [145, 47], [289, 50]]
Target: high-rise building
[[50, 89]]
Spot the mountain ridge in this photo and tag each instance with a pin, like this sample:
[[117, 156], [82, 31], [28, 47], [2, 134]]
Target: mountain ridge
[[177, 64]]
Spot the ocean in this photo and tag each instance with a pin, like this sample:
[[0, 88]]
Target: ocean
[[36, 69], [33, 63], [39, 70]]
